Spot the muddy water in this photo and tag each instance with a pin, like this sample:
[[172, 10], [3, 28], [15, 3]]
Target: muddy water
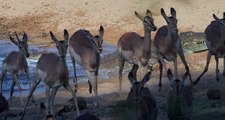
[[192, 42], [6, 47]]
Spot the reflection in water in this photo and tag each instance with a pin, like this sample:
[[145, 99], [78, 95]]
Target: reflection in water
[[6, 47]]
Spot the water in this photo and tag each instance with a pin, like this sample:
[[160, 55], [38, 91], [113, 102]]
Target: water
[[6, 47]]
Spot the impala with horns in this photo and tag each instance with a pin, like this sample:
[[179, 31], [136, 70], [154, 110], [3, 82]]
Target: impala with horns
[[141, 105], [134, 48], [15, 63], [52, 70], [215, 41], [180, 98], [85, 49], [167, 44]]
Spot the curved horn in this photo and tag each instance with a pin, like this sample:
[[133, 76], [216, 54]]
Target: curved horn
[[25, 37], [18, 39]]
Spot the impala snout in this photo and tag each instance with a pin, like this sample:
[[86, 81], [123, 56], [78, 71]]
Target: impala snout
[[176, 30], [62, 56], [100, 50], [154, 28]]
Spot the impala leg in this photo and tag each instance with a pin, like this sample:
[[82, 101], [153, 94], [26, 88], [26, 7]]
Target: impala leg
[[28, 77], [1, 79], [223, 67], [47, 94], [141, 70], [11, 90], [96, 82], [181, 54], [15, 78], [75, 75], [35, 84], [217, 69], [206, 68], [175, 68], [93, 79], [68, 88], [52, 98], [160, 75], [121, 65], [28, 80], [161, 65]]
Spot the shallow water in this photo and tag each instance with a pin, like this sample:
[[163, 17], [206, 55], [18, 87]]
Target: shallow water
[[6, 47]]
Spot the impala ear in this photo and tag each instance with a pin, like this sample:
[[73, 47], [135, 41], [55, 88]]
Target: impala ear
[[223, 15], [146, 78], [149, 13], [215, 17], [173, 12], [101, 31], [53, 37], [139, 16], [66, 35], [164, 15], [18, 39], [131, 78], [25, 37], [184, 77]]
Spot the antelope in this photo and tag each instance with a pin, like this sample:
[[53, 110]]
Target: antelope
[[85, 49], [141, 105], [52, 70], [4, 107], [215, 41], [135, 49], [15, 63], [180, 98], [87, 116], [167, 44]]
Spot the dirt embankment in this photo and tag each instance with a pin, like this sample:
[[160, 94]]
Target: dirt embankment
[[37, 18]]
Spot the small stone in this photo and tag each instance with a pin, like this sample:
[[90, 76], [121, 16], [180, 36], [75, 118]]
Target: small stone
[[214, 93]]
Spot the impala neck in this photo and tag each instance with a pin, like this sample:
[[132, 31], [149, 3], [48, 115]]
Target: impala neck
[[21, 55], [63, 60], [171, 36], [147, 41]]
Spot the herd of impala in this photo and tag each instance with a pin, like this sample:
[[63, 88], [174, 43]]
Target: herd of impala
[[85, 49]]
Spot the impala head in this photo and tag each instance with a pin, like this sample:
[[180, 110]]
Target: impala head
[[171, 20], [176, 84], [222, 21], [99, 39], [137, 87], [22, 44], [61, 45], [148, 21]]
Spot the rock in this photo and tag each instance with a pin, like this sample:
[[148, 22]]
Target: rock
[[214, 93], [87, 116], [69, 106]]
